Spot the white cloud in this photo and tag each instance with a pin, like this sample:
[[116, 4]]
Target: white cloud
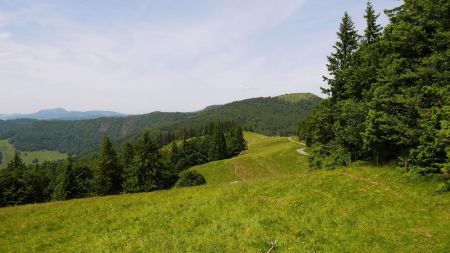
[[142, 66]]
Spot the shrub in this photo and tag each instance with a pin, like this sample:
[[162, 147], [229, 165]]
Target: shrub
[[190, 178], [328, 156], [444, 186]]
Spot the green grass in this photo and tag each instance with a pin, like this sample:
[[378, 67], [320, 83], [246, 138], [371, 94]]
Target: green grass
[[266, 157], [296, 97], [8, 151], [356, 209]]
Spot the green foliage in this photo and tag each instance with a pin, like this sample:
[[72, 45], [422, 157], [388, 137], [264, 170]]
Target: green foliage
[[144, 172], [108, 176], [318, 126], [236, 142], [75, 181], [127, 154], [13, 188], [141, 167], [217, 146], [373, 30], [65, 183], [389, 93], [271, 115], [190, 178], [345, 47], [329, 156], [219, 142], [444, 186], [16, 163]]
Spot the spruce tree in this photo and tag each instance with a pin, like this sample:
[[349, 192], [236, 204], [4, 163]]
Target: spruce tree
[[174, 153], [65, 182], [108, 178], [131, 179], [218, 146], [16, 163], [337, 61], [240, 138], [145, 170], [12, 184], [373, 30], [236, 141], [127, 154]]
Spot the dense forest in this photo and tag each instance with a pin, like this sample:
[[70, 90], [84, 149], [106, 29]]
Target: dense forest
[[140, 166], [389, 92], [271, 116]]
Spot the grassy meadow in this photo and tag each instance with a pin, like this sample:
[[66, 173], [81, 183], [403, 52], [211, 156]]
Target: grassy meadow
[[8, 151], [267, 194], [296, 97]]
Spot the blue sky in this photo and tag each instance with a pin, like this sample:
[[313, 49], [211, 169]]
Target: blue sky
[[167, 55]]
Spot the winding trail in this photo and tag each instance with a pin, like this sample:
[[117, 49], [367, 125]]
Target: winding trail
[[301, 151]]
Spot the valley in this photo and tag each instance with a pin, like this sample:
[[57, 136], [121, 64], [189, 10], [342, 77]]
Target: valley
[[29, 157]]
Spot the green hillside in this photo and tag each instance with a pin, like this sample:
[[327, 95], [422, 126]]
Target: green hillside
[[270, 116], [266, 157], [267, 194], [296, 97], [28, 157]]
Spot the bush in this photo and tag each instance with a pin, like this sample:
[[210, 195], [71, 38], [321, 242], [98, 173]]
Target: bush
[[328, 156], [190, 178], [444, 186]]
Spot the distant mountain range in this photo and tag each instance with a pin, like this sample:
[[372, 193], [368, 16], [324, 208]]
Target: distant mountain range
[[61, 114]]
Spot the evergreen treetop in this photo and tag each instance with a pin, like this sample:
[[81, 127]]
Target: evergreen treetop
[[373, 30]]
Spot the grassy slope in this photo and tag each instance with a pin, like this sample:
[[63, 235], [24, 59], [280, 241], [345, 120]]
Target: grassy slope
[[8, 151], [267, 157], [296, 97], [357, 209]]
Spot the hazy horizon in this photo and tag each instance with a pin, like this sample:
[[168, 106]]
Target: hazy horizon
[[136, 57], [127, 114]]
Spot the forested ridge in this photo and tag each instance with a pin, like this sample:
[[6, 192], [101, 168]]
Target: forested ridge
[[270, 116], [389, 92]]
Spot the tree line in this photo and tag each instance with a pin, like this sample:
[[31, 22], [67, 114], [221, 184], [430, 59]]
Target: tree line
[[141, 166], [389, 92]]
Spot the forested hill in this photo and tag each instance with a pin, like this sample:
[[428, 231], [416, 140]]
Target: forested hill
[[268, 115]]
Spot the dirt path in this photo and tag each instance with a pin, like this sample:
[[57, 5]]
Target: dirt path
[[301, 151]]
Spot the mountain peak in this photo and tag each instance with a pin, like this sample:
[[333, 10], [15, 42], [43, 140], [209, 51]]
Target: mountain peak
[[53, 110], [61, 114]]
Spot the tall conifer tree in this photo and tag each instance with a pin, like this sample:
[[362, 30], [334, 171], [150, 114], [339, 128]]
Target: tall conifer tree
[[127, 154], [108, 178], [346, 45], [145, 170], [218, 146], [373, 30]]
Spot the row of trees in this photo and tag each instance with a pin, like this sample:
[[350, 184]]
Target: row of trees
[[141, 166], [217, 144], [389, 92]]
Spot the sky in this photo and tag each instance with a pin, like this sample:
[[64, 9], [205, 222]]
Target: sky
[[140, 56]]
